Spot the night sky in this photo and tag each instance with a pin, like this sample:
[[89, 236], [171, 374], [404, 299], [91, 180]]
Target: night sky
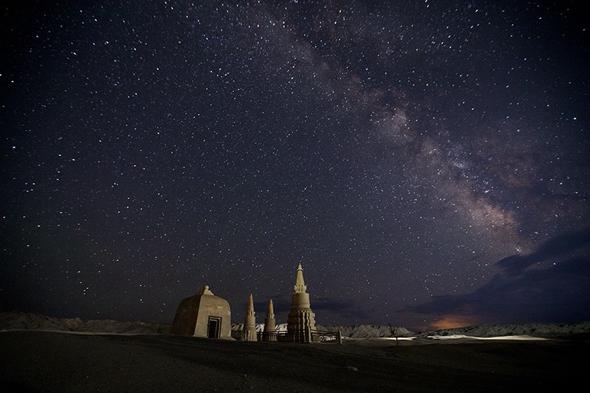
[[426, 161]]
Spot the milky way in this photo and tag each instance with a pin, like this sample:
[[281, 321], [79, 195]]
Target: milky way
[[405, 152]]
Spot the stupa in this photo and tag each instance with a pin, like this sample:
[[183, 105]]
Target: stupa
[[270, 325], [301, 321], [249, 333]]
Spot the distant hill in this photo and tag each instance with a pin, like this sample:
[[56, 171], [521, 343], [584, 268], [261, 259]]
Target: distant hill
[[28, 321], [369, 331], [528, 329], [354, 331]]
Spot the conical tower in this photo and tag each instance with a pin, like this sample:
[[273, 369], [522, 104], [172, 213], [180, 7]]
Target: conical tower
[[301, 320], [249, 333], [270, 326]]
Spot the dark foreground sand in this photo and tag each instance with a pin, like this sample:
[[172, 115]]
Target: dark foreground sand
[[61, 362]]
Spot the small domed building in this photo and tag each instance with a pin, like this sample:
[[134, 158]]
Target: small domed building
[[203, 315]]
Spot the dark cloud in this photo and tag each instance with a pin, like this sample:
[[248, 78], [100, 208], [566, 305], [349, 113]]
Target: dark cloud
[[523, 292], [554, 247]]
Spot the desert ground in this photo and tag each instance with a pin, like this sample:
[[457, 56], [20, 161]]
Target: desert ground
[[41, 361]]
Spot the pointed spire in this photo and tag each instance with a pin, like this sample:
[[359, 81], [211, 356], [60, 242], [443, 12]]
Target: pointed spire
[[250, 322], [270, 327], [206, 290], [250, 304], [301, 321], [299, 282]]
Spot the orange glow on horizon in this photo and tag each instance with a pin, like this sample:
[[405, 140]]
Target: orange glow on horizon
[[453, 321]]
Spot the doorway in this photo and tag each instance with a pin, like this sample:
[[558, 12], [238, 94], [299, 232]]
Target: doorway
[[213, 327]]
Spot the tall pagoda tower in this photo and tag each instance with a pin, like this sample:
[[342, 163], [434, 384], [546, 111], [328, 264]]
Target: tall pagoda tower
[[301, 321], [249, 333]]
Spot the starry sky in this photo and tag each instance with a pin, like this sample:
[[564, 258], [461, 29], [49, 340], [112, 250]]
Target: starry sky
[[426, 161]]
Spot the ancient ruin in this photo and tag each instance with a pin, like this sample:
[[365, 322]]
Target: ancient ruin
[[203, 315], [270, 326], [209, 316], [249, 333], [301, 321]]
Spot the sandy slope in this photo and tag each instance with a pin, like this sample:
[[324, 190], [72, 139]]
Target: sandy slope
[[60, 362]]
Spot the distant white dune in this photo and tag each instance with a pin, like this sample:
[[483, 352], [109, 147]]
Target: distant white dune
[[463, 336], [510, 338]]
